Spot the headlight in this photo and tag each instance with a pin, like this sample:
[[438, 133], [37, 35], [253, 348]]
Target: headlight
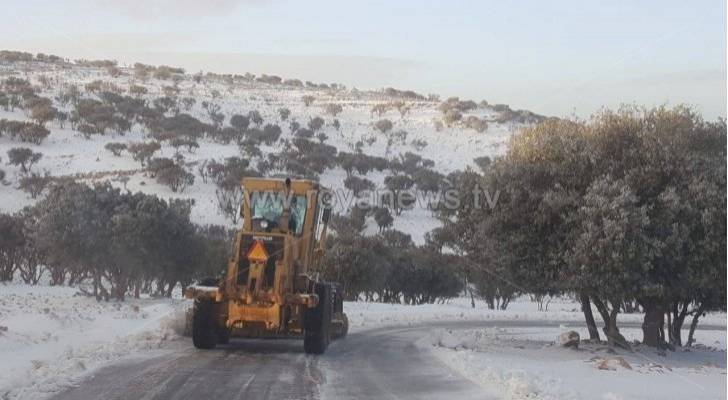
[[264, 224]]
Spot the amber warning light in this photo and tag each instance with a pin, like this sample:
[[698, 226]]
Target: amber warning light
[[257, 252]]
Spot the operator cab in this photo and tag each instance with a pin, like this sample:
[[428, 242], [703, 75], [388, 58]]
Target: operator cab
[[268, 214]]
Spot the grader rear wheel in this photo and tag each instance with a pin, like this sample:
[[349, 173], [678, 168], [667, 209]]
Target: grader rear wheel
[[223, 336], [317, 333]]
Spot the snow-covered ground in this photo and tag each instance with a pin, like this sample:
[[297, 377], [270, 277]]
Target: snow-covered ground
[[363, 315], [526, 363], [51, 337]]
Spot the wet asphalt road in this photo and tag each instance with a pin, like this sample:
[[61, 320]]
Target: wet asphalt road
[[382, 363]]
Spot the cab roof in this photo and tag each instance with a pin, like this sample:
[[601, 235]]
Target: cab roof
[[279, 184]]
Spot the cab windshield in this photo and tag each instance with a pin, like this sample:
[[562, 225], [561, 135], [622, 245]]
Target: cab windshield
[[267, 210]]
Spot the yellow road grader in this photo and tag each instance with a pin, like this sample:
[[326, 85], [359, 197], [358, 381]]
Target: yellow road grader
[[270, 289]]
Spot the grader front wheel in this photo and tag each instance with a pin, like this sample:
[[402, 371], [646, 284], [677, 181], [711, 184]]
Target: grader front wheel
[[204, 332]]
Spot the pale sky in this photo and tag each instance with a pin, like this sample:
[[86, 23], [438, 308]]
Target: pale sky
[[556, 58]]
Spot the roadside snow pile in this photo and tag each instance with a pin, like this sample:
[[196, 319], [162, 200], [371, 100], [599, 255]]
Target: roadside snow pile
[[51, 336], [520, 363]]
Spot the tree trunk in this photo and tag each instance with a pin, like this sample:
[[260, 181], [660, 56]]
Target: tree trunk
[[170, 288], [58, 275], [505, 302], [612, 331], [96, 285], [694, 323], [589, 317], [614, 338], [652, 323], [678, 319]]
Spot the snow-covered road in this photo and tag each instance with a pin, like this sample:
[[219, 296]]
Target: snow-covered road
[[55, 342]]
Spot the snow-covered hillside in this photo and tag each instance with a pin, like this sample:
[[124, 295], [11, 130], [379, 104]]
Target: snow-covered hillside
[[67, 153]]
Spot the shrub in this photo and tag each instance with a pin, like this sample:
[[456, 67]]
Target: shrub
[[383, 125], [99, 86], [451, 117], [383, 218], [96, 114], [304, 133], [270, 79], [68, 94], [399, 187], [25, 131], [308, 100], [380, 109], [165, 72], [178, 142], [166, 104], [358, 185], [113, 71], [42, 113], [477, 124], [255, 117], [315, 123], [23, 157], [188, 102], [115, 148], [142, 152], [33, 133], [271, 133], [454, 103], [137, 90], [419, 144], [402, 107], [171, 91], [333, 109], [250, 148], [239, 122], [94, 86], [180, 125], [483, 163], [171, 174], [34, 184], [284, 113], [87, 130]]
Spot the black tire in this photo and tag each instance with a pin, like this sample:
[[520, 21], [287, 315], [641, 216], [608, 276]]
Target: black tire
[[204, 332], [345, 329], [317, 334], [223, 336]]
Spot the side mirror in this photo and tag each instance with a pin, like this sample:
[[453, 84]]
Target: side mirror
[[326, 216]]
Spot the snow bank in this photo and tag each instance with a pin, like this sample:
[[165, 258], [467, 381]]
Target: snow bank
[[51, 337], [518, 363]]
